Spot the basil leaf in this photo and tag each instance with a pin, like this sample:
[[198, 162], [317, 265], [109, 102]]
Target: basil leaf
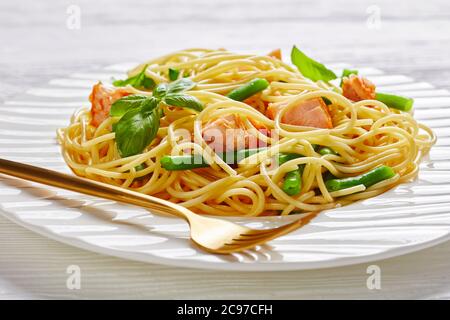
[[136, 130], [161, 90], [310, 68], [183, 101], [173, 74], [121, 106], [139, 81], [181, 85]]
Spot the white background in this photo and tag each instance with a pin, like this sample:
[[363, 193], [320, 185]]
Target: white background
[[36, 46]]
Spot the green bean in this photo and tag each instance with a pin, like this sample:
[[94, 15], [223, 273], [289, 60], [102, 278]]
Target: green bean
[[189, 162], [285, 157], [173, 74], [247, 90], [292, 183], [293, 179], [326, 150], [394, 101], [367, 179], [234, 157], [140, 167]]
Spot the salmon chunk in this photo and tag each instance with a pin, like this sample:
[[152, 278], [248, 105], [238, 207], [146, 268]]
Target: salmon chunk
[[275, 54], [308, 113], [228, 134], [101, 98], [357, 88]]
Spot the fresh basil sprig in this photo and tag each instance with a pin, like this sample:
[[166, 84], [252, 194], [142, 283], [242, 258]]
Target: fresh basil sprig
[[140, 114], [310, 68], [139, 81], [173, 94]]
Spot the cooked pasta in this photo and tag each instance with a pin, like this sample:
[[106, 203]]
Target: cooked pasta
[[312, 145]]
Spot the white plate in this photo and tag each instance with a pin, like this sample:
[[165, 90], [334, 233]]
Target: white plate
[[411, 217]]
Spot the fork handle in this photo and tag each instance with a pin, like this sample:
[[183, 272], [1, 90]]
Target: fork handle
[[90, 187]]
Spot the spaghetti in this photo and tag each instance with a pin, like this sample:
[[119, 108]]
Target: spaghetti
[[361, 136]]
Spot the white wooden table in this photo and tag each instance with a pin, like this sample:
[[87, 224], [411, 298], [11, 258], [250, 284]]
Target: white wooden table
[[411, 38]]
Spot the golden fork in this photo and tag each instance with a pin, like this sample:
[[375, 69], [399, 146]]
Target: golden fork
[[210, 234]]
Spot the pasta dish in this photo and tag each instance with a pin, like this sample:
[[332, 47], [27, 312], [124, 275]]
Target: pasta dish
[[224, 133]]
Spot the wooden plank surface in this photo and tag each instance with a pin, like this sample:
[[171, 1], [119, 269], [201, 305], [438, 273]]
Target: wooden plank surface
[[412, 39]]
